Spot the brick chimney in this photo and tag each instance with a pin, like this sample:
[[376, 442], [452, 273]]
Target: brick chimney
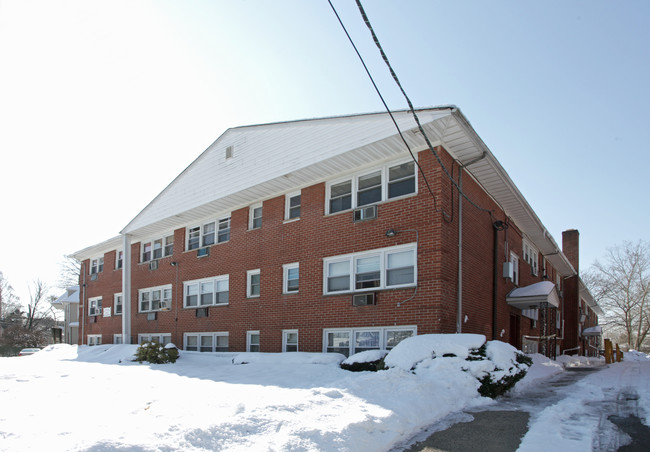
[[571, 247]]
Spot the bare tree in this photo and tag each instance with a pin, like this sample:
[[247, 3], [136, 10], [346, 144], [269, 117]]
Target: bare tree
[[38, 308], [9, 302], [69, 272], [621, 285]]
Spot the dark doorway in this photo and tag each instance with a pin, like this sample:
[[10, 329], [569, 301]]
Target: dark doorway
[[515, 331]]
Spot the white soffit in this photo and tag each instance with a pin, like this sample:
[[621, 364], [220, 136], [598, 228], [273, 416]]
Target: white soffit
[[272, 159]]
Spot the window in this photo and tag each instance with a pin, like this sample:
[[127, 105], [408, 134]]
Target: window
[[356, 340], [223, 234], [292, 206], [515, 268], [117, 338], [96, 265], [290, 340], [94, 306], [208, 234], [161, 338], [157, 248], [206, 342], [388, 182], [155, 299], [255, 217], [117, 303], [291, 278], [94, 339], [253, 283], [119, 259], [207, 292], [371, 270], [531, 256], [252, 341]]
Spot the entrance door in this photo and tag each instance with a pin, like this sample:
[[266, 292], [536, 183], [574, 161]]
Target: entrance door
[[515, 331]]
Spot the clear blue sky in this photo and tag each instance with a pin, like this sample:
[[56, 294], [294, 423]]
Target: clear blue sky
[[103, 103]]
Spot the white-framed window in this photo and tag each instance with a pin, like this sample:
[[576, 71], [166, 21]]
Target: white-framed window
[[117, 303], [253, 283], [349, 341], [292, 206], [289, 340], [384, 268], [379, 184], [96, 265], [252, 341], [514, 260], [161, 338], [205, 342], [290, 277], [255, 217], [117, 338], [157, 248], [208, 233], [119, 259], [531, 256], [94, 339], [155, 299], [212, 291], [95, 306]]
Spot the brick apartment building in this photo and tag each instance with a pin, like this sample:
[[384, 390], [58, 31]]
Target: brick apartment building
[[328, 235]]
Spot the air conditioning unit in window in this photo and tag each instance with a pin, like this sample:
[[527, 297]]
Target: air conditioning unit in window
[[151, 316], [93, 277], [202, 312], [364, 299], [153, 265], [202, 252], [365, 213]]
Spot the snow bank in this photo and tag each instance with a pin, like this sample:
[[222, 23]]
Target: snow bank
[[634, 355], [415, 349], [365, 357], [288, 358]]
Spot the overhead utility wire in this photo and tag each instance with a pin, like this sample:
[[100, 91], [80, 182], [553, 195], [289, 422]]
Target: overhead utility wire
[[390, 113], [415, 116]]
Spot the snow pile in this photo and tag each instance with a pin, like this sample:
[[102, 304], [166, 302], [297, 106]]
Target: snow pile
[[288, 358], [579, 361], [634, 355], [418, 349], [541, 369], [365, 357]]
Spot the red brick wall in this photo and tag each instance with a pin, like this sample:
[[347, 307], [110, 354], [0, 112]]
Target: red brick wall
[[316, 236]]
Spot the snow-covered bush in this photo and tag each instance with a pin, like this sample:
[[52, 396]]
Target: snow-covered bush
[[496, 365], [156, 353], [370, 360]]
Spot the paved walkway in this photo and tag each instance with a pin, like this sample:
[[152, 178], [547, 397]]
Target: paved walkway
[[500, 428]]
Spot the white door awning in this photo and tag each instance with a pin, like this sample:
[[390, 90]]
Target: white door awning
[[593, 331], [531, 297]]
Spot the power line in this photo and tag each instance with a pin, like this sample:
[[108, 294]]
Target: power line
[[390, 113]]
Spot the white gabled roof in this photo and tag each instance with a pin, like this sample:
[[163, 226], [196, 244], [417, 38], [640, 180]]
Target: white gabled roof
[[99, 249], [271, 159]]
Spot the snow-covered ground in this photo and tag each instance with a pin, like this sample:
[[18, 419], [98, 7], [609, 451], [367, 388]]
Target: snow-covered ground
[[95, 398]]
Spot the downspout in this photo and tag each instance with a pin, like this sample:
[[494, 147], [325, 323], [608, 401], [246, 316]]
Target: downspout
[[495, 279], [459, 302], [83, 302], [126, 289]]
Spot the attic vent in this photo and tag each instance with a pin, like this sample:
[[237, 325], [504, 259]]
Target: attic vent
[[230, 150], [364, 299], [365, 213], [153, 265]]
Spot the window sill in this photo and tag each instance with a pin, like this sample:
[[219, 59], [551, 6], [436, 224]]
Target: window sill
[[378, 203], [206, 306], [291, 220]]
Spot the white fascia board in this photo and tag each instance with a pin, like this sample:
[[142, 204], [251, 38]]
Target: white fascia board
[[98, 249]]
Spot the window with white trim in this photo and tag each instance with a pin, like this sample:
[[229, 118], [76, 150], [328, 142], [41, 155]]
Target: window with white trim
[[157, 248], [514, 260], [289, 340], [531, 256], [209, 233], [94, 339], [290, 278], [213, 291], [380, 184], [252, 341], [253, 283], [117, 338], [255, 217], [384, 268], [97, 265], [292, 206], [161, 338], [205, 342], [155, 299], [117, 303], [349, 341], [119, 259], [95, 306]]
